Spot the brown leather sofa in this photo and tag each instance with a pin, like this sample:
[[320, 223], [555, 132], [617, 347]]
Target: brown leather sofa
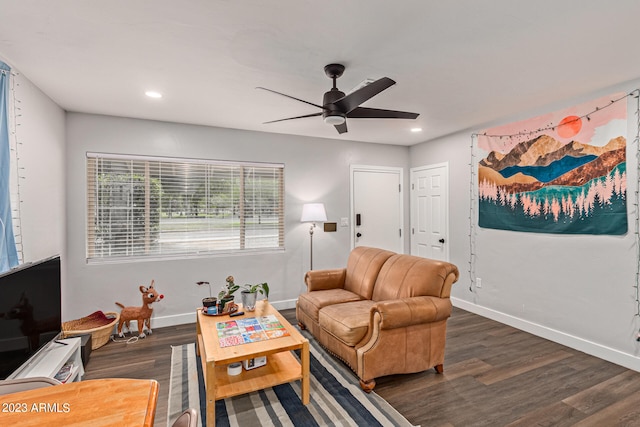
[[383, 314]]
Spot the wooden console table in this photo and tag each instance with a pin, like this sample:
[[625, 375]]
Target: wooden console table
[[105, 402]]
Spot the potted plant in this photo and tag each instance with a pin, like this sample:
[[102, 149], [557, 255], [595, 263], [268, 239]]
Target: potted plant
[[250, 293], [209, 301], [226, 294]]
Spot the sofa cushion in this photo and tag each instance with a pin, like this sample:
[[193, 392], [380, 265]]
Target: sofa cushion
[[363, 266], [348, 321], [404, 276], [312, 302]]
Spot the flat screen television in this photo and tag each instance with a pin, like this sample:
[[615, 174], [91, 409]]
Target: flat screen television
[[30, 311]]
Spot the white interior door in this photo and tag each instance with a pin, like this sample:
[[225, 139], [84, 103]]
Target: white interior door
[[430, 211], [376, 208]]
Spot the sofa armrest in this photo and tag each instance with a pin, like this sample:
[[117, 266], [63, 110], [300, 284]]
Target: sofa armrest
[[318, 280], [411, 311]]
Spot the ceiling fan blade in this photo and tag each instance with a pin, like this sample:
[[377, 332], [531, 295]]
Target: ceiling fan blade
[[292, 118], [376, 113], [341, 128], [289, 96], [353, 100]]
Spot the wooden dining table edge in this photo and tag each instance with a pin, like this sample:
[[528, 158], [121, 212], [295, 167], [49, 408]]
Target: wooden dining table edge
[[153, 402]]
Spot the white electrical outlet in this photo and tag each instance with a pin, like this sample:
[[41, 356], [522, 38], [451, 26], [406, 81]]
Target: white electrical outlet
[[478, 282], [344, 222]]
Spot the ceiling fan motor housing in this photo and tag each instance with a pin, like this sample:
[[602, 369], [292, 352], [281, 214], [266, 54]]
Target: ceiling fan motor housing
[[330, 110]]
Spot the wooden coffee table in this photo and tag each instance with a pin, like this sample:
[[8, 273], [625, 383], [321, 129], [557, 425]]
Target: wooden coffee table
[[282, 366]]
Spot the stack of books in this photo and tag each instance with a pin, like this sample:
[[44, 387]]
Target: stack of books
[[65, 372]]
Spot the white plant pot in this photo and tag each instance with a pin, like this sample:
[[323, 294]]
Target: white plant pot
[[249, 300]]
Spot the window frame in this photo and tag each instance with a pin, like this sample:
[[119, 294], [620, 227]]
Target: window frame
[[92, 256]]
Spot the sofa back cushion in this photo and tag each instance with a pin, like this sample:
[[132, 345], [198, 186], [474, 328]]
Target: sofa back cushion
[[404, 276], [363, 267]]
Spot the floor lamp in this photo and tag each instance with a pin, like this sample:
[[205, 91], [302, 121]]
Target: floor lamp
[[312, 212]]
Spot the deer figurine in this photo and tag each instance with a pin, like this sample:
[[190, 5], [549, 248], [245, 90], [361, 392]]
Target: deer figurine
[[142, 314]]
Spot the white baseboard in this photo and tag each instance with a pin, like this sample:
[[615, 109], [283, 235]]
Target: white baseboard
[[629, 361], [285, 304], [182, 319], [159, 322]]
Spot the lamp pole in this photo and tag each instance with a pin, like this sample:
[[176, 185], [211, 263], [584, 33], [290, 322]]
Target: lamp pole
[[311, 245], [312, 212]]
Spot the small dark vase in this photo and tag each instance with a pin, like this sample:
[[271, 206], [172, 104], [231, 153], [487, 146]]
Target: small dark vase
[[209, 301]]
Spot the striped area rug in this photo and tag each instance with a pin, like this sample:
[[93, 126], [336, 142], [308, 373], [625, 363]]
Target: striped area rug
[[336, 397]]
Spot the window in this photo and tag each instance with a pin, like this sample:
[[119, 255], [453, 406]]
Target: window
[[154, 207]]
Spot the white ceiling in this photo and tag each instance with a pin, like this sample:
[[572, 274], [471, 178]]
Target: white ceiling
[[460, 64]]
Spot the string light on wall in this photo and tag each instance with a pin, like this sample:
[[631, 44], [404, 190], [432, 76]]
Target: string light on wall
[[15, 118], [636, 204], [472, 215], [526, 133]]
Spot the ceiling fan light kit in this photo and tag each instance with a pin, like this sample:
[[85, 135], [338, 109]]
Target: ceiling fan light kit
[[337, 107], [334, 120]]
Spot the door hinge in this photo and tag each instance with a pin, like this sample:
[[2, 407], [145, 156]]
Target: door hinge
[[400, 231], [413, 231], [399, 188], [413, 186]]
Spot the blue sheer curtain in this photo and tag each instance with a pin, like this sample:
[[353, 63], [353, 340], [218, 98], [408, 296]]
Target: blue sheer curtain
[[8, 251]]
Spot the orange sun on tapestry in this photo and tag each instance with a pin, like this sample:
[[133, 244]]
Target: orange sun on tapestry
[[569, 126], [566, 176]]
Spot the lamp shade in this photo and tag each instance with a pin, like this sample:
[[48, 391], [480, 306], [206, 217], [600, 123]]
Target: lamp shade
[[312, 212]]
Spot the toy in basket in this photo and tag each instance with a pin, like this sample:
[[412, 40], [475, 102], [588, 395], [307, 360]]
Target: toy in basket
[[98, 324], [142, 315]]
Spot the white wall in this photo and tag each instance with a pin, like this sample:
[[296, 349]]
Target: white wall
[[40, 133], [315, 170], [576, 290]]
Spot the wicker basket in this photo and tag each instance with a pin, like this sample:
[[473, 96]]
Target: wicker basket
[[94, 325]]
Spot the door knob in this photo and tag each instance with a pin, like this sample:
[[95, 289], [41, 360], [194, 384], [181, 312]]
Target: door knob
[[441, 240], [358, 234]]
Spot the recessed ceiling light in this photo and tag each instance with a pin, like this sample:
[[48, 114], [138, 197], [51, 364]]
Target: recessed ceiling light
[[415, 130], [153, 94]]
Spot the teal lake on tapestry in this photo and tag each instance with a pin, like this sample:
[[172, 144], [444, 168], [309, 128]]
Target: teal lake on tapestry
[[597, 207], [550, 172]]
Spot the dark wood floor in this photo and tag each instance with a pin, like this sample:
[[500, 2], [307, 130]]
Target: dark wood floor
[[494, 375], [149, 357]]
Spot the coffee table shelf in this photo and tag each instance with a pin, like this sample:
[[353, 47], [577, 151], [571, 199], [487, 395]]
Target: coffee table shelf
[[281, 368]]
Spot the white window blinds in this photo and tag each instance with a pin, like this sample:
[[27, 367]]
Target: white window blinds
[[154, 207]]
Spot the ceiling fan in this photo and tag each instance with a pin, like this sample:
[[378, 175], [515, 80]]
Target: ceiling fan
[[337, 107]]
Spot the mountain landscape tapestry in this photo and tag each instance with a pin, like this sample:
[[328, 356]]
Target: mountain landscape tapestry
[[562, 173]]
